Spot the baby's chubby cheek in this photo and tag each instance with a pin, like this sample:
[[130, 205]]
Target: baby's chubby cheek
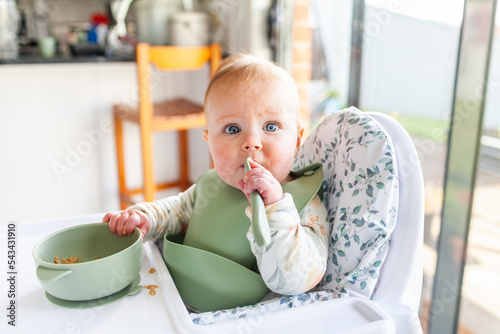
[[226, 168], [220, 158]]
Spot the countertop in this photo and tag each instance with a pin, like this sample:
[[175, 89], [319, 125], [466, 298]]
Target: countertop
[[80, 54], [58, 59]]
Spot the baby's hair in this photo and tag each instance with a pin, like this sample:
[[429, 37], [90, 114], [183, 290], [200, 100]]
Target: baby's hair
[[244, 68]]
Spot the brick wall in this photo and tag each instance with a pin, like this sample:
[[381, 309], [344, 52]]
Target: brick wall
[[302, 54]]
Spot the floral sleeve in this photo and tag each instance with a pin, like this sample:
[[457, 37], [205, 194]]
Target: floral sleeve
[[295, 260]]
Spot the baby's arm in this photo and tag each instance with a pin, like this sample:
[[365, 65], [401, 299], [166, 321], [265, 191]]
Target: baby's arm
[[154, 219], [295, 261]]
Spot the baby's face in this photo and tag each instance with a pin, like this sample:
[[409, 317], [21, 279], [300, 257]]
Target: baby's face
[[255, 120]]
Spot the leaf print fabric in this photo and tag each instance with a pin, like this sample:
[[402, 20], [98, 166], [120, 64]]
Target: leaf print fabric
[[361, 198]]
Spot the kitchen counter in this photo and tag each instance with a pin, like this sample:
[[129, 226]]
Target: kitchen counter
[[36, 59], [32, 56], [84, 53]]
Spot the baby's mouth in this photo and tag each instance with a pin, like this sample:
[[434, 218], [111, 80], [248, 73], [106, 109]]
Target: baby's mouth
[[253, 160]]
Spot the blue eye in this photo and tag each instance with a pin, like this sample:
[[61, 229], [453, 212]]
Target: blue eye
[[271, 127], [232, 129]]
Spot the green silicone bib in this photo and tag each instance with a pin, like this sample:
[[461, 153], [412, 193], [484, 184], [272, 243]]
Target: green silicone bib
[[219, 224], [213, 267]]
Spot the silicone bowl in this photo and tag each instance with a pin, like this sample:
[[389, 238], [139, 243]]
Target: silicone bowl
[[224, 283], [109, 263]]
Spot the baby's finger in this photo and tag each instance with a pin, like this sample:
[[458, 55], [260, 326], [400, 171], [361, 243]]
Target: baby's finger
[[107, 217], [145, 224], [241, 185], [259, 172], [259, 182], [267, 186], [120, 223], [112, 222], [132, 221], [254, 164]]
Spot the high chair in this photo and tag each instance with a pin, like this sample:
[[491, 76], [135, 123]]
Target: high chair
[[398, 290], [400, 281], [393, 306], [176, 114]]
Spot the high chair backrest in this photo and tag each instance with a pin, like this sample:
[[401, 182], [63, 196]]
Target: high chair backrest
[[400, 278]]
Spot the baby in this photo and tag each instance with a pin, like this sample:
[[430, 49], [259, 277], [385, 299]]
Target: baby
[[252, 110]]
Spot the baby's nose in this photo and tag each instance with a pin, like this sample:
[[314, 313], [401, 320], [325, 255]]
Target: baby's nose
[[252, 147], [251, 143]]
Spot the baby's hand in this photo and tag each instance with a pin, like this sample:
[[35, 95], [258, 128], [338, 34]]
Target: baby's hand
[[260, 179], [123, 223]]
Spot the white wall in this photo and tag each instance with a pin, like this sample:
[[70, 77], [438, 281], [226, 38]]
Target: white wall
[[57, 151]]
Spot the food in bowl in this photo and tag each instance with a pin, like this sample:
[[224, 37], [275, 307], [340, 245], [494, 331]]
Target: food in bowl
[[69, 260]]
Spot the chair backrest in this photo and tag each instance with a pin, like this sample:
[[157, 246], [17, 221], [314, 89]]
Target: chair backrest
[[173, 58], [401, 274], [181, 58]]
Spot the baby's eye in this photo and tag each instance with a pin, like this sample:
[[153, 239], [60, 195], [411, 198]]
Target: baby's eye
[[232, 129], [271, 127]]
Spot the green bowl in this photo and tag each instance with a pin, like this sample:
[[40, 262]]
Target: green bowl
[[109, 263], [209, 282]]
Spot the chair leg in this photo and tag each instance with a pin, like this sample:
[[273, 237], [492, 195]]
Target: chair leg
[[147, 164], [183, 160], [120, 161]]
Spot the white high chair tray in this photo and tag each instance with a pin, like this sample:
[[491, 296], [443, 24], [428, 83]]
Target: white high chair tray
[[165, 311]]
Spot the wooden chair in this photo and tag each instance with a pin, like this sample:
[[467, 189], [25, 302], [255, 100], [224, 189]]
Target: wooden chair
[[176, 114]]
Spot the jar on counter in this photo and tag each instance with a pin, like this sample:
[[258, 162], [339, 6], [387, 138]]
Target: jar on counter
[[190, 29]]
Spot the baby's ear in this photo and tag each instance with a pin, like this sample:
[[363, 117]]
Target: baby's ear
[[300, 133], [205, 134]]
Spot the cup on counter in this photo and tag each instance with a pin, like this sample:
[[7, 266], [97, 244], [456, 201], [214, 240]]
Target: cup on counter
[[47, 46]]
